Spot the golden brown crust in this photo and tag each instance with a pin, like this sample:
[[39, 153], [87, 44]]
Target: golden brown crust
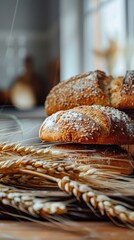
[[85, 89], [110, 157], [90, 125], [122, 92], [92, 88]]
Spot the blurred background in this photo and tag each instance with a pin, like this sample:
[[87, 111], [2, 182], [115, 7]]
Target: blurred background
[[43, 42]]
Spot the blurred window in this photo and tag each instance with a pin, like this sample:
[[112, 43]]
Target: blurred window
[[105, 29]]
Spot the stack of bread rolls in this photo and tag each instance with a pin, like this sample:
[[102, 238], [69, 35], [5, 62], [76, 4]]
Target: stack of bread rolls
[[92, 88], [88, 116]]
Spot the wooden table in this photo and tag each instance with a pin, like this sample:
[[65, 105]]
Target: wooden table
[[32, 231]]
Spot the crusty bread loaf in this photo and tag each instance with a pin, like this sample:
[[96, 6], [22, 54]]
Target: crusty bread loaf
[[92, 88], [85, 89], [89, 124], [122, 91], [108, 157]]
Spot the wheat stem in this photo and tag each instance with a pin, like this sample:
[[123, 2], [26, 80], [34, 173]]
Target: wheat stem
[[39, 175]]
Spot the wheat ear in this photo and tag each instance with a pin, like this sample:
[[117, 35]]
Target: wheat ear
[[46, 153], [112, 208], [14, 164], [11, 168], [24, 150], [30, 204], [25, 181], [105, 205]]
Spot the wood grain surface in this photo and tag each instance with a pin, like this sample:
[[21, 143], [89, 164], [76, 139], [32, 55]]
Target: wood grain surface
[[92, 230]]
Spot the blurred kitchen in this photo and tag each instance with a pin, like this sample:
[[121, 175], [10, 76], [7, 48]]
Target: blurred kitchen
[[29, 47], [43, 42]]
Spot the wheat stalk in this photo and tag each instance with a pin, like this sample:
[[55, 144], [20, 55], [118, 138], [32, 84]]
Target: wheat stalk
[[48, 153], [112, 208], [11, 164], [24, 167], [102, 202], [11, 168], [43, 160], [24, 150], [25, 181], [14, 164], [29, 203]]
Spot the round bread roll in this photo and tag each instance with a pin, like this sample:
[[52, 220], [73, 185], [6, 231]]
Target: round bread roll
[[85, 89], [89, 124], [108, 157]]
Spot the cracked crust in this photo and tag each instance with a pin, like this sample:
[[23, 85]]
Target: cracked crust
[[92, 88], [89, 124], [85, 89], [122, 93]]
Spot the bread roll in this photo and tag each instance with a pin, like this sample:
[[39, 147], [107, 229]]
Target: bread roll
[[122, 91], [86, 89], [92, 88], [90, 125], [110, 157]]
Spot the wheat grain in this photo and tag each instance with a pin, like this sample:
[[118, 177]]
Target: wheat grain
[[106, 205], [48, 153], [40, 164], [30, 164], [30, 204], [41, 160], [103, 203], [10, 171], [25, 181], [24, 150], [14, 164]]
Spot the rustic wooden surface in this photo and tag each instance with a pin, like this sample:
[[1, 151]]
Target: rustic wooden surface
[[32, 231]]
